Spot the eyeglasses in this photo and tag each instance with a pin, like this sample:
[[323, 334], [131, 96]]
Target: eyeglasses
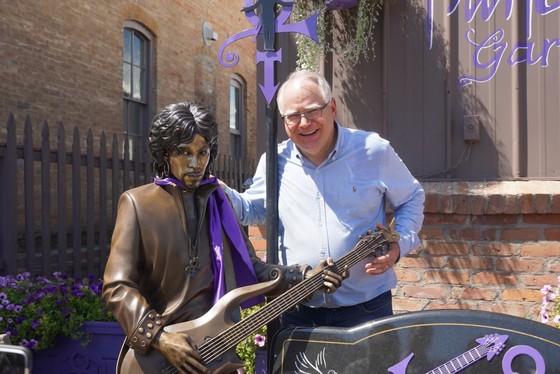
[[310, 114]]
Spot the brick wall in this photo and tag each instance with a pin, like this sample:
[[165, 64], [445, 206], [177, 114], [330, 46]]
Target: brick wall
[[62, 60], [485, 246]]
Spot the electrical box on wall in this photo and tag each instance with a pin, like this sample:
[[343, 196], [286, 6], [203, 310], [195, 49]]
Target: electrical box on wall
[[471, 128]]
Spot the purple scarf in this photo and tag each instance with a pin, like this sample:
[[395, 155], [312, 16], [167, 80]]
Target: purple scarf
[[221, 215]]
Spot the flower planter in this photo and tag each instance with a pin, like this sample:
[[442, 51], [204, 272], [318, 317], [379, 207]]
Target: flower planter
[[70, 356], [260, 361]]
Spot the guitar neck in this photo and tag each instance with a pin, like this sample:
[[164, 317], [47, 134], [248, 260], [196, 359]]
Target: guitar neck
[[462, 361], [216, 346]]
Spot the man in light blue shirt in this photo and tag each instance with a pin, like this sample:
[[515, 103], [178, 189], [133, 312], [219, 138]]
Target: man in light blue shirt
[[333, 185]]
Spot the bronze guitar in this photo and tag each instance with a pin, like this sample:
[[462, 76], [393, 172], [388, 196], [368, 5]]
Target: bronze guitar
[[216, 335]]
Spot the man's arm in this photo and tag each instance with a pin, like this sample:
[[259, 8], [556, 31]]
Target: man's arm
[[406, 197], [250, 206]]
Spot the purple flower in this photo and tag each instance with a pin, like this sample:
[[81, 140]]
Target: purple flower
[[546, 289], [260, 340]]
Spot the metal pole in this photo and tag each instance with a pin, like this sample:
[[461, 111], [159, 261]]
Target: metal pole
[[271, 185]]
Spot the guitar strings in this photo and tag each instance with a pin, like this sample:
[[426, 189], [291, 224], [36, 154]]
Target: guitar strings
[[215, 347]]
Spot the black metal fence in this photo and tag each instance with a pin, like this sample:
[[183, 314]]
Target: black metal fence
[[58, 204]]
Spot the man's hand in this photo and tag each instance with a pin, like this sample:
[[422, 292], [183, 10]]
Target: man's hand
[[381, 264], [331, 280], [180, 352]]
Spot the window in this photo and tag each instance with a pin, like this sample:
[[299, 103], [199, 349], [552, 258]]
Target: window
[[236, 117], [136, 87]]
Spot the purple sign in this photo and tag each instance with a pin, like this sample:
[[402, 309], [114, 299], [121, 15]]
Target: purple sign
[[268, 23], [492, 51]]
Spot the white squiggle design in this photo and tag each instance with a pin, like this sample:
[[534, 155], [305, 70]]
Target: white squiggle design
[[304, 365]]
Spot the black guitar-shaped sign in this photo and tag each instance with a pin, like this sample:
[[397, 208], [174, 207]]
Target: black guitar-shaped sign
[[216, 335], [489, 346]]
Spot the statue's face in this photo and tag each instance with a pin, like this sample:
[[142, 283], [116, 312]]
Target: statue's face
[[190, 163]]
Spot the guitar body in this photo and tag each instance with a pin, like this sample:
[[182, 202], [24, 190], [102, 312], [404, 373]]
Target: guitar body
[[200, 330], [154, 362]]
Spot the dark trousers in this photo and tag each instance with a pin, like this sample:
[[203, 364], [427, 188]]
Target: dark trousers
[[346, 316]]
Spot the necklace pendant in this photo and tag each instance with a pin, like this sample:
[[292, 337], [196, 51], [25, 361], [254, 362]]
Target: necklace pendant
[[193, 266]]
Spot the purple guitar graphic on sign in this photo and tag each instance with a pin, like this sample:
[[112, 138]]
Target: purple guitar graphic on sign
[[489, 346]]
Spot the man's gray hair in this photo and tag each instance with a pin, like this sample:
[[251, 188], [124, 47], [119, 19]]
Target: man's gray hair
[[306, 75]]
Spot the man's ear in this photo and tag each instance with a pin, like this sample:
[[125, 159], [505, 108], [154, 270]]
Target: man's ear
[[333, 106]]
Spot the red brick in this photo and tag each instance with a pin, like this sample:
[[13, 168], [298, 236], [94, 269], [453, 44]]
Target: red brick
[[494, 204], [540, 249], [494, 278], [446, 248], [421, 262], [448, 219], [518, 264], [540, 280], [259, 244], [470, 233], [431, 233], [449, 304], [520, 234], [493, 249], [401, 305], [462, 204], [448, 277], [552, 234], [542, 203], [471, 263], [542, 219], [523, 295], [511, 204], [420, 292], [473, 294], [526, 204], [494, 219], [510, 309], [478, 205], [555, 204], [445, 204], [430, 204], [408, 276]]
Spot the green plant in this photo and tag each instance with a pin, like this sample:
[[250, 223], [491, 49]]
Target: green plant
[[350, 32], [247, 349], [550, 307], [34, 312]]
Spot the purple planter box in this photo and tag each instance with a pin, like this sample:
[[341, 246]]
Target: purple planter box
[[260, 361], [70, 356]]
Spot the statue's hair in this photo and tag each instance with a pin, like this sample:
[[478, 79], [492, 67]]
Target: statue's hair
[[178, 124], [305, 75]]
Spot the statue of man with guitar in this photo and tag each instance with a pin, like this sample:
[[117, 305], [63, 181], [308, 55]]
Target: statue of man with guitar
[[180, 264]]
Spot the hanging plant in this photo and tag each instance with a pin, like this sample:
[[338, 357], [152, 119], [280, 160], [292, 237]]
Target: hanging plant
[[350, 23]]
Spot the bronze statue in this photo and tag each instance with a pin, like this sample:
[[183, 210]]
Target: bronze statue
[[177, 247]]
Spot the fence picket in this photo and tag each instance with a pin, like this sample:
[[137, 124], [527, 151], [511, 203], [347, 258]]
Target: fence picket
[[29, 184], [45, 196], [62, 228], [76, 203], [90, 211], [103, 246], [8, 188]]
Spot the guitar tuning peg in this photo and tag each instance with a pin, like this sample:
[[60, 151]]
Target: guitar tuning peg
[[369, 232]]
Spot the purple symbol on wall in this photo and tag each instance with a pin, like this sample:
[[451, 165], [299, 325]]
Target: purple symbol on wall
[[267, 22]]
